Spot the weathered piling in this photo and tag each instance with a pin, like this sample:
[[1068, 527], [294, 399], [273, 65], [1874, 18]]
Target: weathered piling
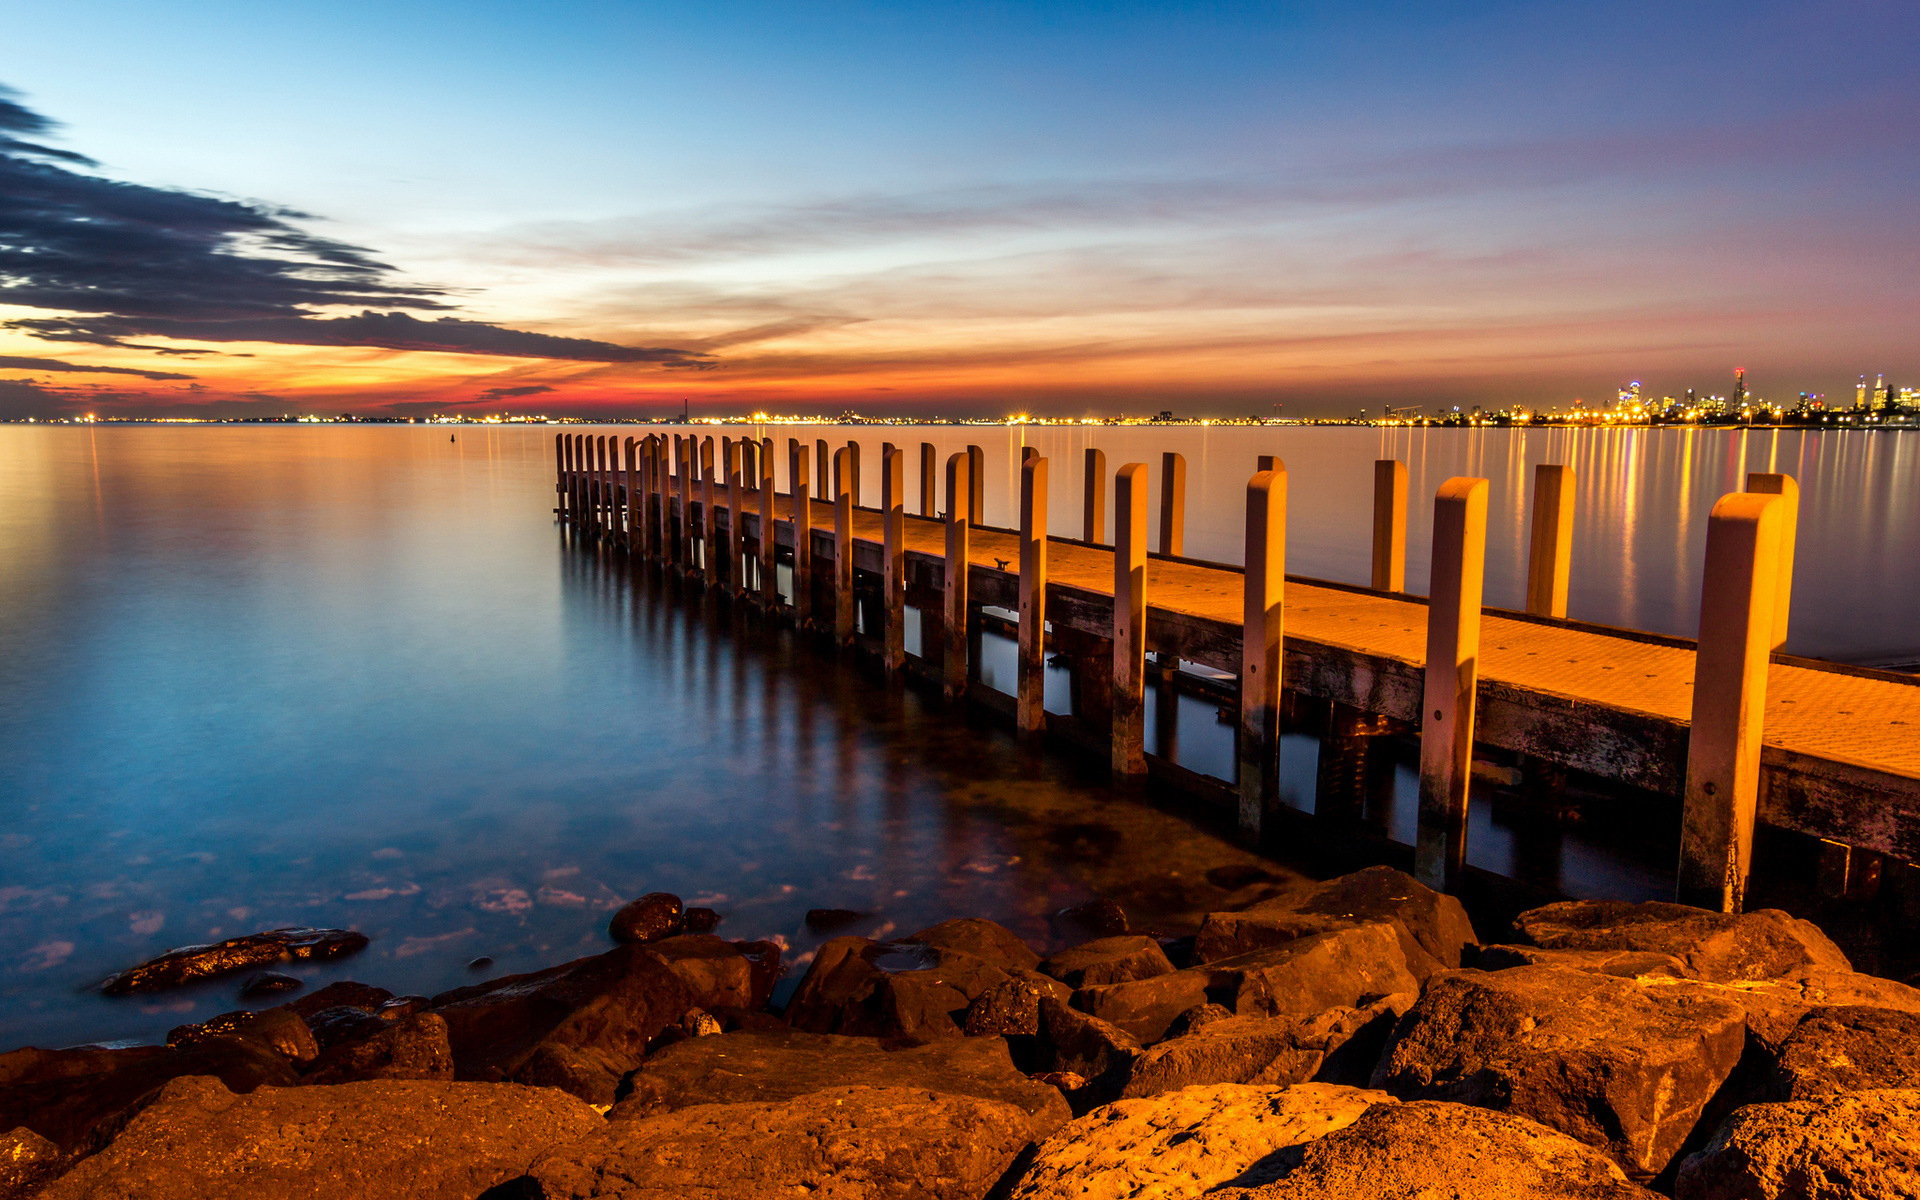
[[1452, 675], [929, 481], [560, 473], [1030, 714], [1173, 503], [800, 491], [1390, 525], [1263, 628], [1129, 621], [1788, 489], [1550, 549], [709, 516], [955, 617], [657, 493], [893, 559], [636, 507], [769, 577], [844, 630], [1093, 507], [823, 467], [1737, 597], [976, 485]]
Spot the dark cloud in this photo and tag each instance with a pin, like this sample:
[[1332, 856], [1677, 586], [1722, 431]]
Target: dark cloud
[[130, 261], [19, 362], [508, 393]]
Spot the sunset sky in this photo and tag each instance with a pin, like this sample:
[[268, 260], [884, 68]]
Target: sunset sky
[[223, 208]]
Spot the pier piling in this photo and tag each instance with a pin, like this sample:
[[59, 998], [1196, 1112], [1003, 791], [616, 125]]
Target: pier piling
[[1548, 555], [1788, 489], [843, 618], [1452, 673], [1030, 714], [1390, 525], [1093, 515], [976, 486], [1173, 503], [929, 481], [709, 516], [893, 559], [1129, 621], [1262, 634], [955, 639], [800, 492]]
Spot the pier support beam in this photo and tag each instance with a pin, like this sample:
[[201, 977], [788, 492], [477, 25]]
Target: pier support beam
[[560, 473], [1738, 589], [929, 481], [800, 494], [1453, 658], [709, 516], [893, 559], [1129, 621], [1548, 556], [736, 544], [976, 486], [1262, 633], [1173, 503], [769, 578], [955, 639], [1030, 711], [843, 620], [635, 505], [1390, 525], [823, 467], [1093, 512], [1785, 487]]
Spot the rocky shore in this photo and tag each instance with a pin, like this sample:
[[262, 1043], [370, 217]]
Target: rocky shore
[[1345, 1039]]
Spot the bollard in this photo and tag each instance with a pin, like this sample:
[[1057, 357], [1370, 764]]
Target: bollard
[[1785, 487], [1173, 503], [1389, 525], [843, 620], [1453, 653], [709, 516], [955, 639], [1548, 556], [1030, 712], [929, 481], [893, 558], [1739, 584], [769, 539], [1093, 515], [1129, 621], [1262, 634], [976, 485], [800, 495]]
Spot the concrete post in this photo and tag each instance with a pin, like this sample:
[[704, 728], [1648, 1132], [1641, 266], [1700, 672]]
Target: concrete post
[[1548, 557], [929, 481], [1030, 713], [1093, 513], [843, 621], [1129, 621], [1453, 668], [1785, 487], [959, 486], [1390, 525], [976, 486], [1739, 586], [801, 495], [1262, 633], [1173, 503]]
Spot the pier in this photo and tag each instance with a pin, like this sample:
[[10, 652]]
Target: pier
[[1738, 733]]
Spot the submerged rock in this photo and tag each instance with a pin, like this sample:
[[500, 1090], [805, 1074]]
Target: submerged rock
[[1090, 919], [653, 916], [188, 963], [1859, 1146], [277, 1029], [826, 920], [1722, 947], [269, 983], [702, 920], [343, 994]]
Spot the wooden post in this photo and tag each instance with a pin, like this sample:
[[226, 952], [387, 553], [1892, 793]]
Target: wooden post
[[1173, 503], [822, 465], [1267, 462], [563, 448], [1453, 668], [709, 516], [1738, 590], [976, 485], [893, 558], [1129, 621], [929, 481], [853, 471], [1548, 558], [656, 522], [843, 618], [801, 495], [769, 539], [1785, 487], [736, 544], [1262, 632], [1030, 712], [955, 639], [635, 506], [560, 473], [749, 459], [1093, 515], [1390, 525], [603, 503]]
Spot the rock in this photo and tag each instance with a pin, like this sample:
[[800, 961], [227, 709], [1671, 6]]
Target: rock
[[1197, 1018], [70, 1097], [344, 994], [865, 1142], [1234, 876], [1275, 1051], [991, 943], [700, 1023], [276, 1029], [1848, 1049], [653, 916], [826, 920], [702, 920], [1432, 926], [26, 1161], [1010, 1009], [1775, 1007], [1429, 1150], [1628, 964], [1090, 919], [578, 1027], [717, 973], [338, 1026], [423, 1141], [414, 1047], [1722, 947], [187, 963], [403, 1006], [1108, 960], [1618, 1064], [269, 983], [481, 963], [911, 990], [763, 1067], [1066, 1081], [1084, 1045], [1187, 1143], [1856, 1146]]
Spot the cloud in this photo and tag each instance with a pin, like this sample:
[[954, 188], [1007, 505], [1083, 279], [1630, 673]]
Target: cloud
[[22, 363], [507, 393]]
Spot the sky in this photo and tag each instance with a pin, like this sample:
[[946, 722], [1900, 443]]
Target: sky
[[212, 208]]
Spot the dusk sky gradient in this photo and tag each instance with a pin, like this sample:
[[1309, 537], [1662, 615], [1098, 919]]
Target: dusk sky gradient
[[984, 208]]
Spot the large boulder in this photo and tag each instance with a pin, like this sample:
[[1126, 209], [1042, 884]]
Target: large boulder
[[1722, 947], [1859, 1146], [1108, 960], [1074, 1043], [1628, 964], [1429, 1151], [26, 1161], [578, 1027], [985, 940], [917, 991], [277, 1029], [1775, 1007], [764, 1066], [71, 1097], [1188, 1142], [414, 1047], [422, 1141], [652, 917], [1621, 1065], [1432, 926], [188, 963], [1848, 1049], [1338, 1045], [719, 973], [857, 1142]]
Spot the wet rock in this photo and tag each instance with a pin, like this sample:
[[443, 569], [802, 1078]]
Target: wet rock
[[1010, 1009], [741, 1068], [403, 1006], [1857, 1146], [1108, 960], [1628, 964], [344, 994], [269, 983], [578, 1027], [1722, 947], [910, 990], [1088, 920], [26, 1161], [414, 1047], [653, 916], [716, 972], [1432, 926], [1187, 1143], [1848, 1049], [702, 920], [1623, 1066], [826, 920], [188, 963], [338, 1026], [424, 1141], [1428, 1150], [1338, 1045], [1084, 1045], [991, 943], [871, 1143], [277, 1029]]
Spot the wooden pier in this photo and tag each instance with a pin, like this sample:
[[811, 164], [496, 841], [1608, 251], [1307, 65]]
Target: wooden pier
[[1737, 732]]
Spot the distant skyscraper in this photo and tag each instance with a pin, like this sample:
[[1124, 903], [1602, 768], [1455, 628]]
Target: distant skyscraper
[[1880, 393], [1860, 394], [1739, 387]]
